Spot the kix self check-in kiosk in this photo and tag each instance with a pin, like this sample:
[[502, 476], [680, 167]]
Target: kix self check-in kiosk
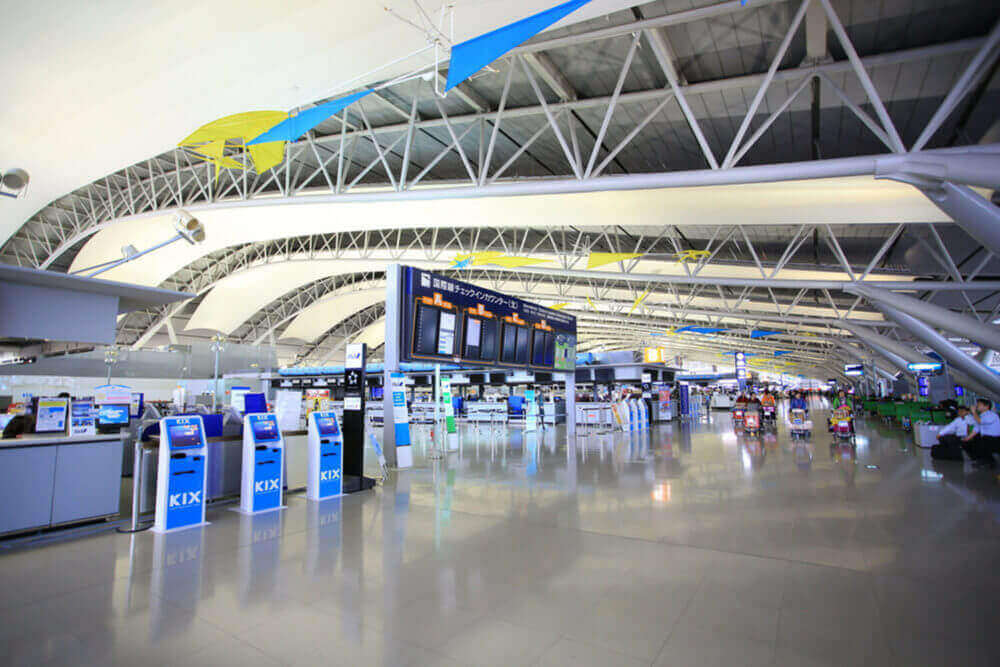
[[326, 464], [263, 464], [180, 482]]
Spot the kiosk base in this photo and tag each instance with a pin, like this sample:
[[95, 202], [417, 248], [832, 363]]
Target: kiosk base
[[354, 484], [162, 531], [244, 512]]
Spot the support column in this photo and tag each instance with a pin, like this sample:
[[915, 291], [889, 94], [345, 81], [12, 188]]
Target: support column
[[956, 357], [393, 307], [986, 335], [570, 406]]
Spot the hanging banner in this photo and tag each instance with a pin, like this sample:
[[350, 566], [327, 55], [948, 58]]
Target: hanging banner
[[741, 369], [401, 420], [530, 411], [449, 405]]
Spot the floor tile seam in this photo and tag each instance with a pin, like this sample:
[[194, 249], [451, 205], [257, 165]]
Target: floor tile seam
[[762, 556]]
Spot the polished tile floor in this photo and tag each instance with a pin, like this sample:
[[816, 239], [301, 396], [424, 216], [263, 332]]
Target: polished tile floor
[[689, 545]]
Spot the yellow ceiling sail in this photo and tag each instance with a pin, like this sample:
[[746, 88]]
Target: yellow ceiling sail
[[597, 259], [591, 303], [210, 139], [642, 297], [510, 262], [559, 306]]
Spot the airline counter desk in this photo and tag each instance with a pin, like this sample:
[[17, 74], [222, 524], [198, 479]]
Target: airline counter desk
[[50, 480]]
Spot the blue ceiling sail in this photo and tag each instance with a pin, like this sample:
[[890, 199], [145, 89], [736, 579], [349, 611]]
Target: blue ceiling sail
[[472, 55], [760, 333], [701, 330], [781, 353], [297, 125]]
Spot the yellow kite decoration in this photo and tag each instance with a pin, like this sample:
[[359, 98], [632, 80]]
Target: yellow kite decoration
[[691, 255], [597, 259], [209, 140]]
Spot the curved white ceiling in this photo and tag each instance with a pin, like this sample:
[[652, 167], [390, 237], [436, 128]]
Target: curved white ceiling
[[327, 313], [237, 297], [373, 334], [91, 88], [854, 200]]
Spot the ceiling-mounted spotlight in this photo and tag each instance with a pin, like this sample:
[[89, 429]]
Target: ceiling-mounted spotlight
[[189, 227], [14, 183]]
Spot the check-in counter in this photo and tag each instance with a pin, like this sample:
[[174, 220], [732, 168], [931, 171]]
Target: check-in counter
[[225, 467], [52, 480], [594, 415], [554, 412], [486, 411]]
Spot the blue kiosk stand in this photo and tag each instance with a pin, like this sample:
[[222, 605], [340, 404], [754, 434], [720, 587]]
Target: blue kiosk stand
[[263, 464], [180, 482], [326, 462]]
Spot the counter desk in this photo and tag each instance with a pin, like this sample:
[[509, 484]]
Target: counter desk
[[50, 480]]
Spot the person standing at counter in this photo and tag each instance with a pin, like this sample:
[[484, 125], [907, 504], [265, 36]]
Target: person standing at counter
[[18, 426]]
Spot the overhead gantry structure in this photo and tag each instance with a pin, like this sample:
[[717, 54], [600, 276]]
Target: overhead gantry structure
[[817, 158]]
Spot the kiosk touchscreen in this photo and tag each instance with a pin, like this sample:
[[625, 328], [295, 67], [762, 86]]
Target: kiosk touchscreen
[[326, 465], [180, 482], [263, 464]]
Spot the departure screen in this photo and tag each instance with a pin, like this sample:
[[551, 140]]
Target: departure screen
[[508, 343], [327, 426], [183, 436], [488, 341], [426, 330], [521, 356], [265, 430], [112, 415], [446, 334], [473, 336], [544, 349]]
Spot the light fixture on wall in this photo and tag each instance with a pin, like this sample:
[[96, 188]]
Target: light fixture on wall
[[14, 182], [188, 227]]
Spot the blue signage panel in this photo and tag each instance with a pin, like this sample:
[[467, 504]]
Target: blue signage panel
[[444, 319], [685, 399], [267, 462], [185, 493], [330, 453]]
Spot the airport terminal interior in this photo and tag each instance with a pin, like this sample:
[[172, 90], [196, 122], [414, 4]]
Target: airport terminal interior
[[482, 332]]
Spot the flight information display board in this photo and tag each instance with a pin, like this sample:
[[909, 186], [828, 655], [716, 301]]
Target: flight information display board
[[447, 320]]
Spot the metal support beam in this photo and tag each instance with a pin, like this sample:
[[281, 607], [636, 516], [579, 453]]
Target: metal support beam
[[978, 216], [984, 334], [979, 169], [553, 78], [948, 351]]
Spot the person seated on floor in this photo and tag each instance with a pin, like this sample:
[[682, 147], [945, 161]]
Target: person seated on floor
[[949, 447], [984, 440]]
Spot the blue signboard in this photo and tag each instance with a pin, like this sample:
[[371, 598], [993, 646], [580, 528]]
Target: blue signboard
[[685, 399], [741, 369], [444, 319]]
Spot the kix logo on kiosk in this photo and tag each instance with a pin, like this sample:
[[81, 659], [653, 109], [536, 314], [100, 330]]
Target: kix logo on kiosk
[[180, 482], [326, 465], [263, 464]]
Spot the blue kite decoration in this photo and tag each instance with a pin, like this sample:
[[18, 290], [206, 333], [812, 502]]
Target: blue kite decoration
[[299, 124], [701, 330], [472, 55]]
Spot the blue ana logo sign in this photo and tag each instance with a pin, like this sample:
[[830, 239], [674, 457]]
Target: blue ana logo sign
[[265, 486], [329, 475], [185, 499]]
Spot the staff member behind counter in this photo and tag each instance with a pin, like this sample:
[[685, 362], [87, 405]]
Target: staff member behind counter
[[18, 426]]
